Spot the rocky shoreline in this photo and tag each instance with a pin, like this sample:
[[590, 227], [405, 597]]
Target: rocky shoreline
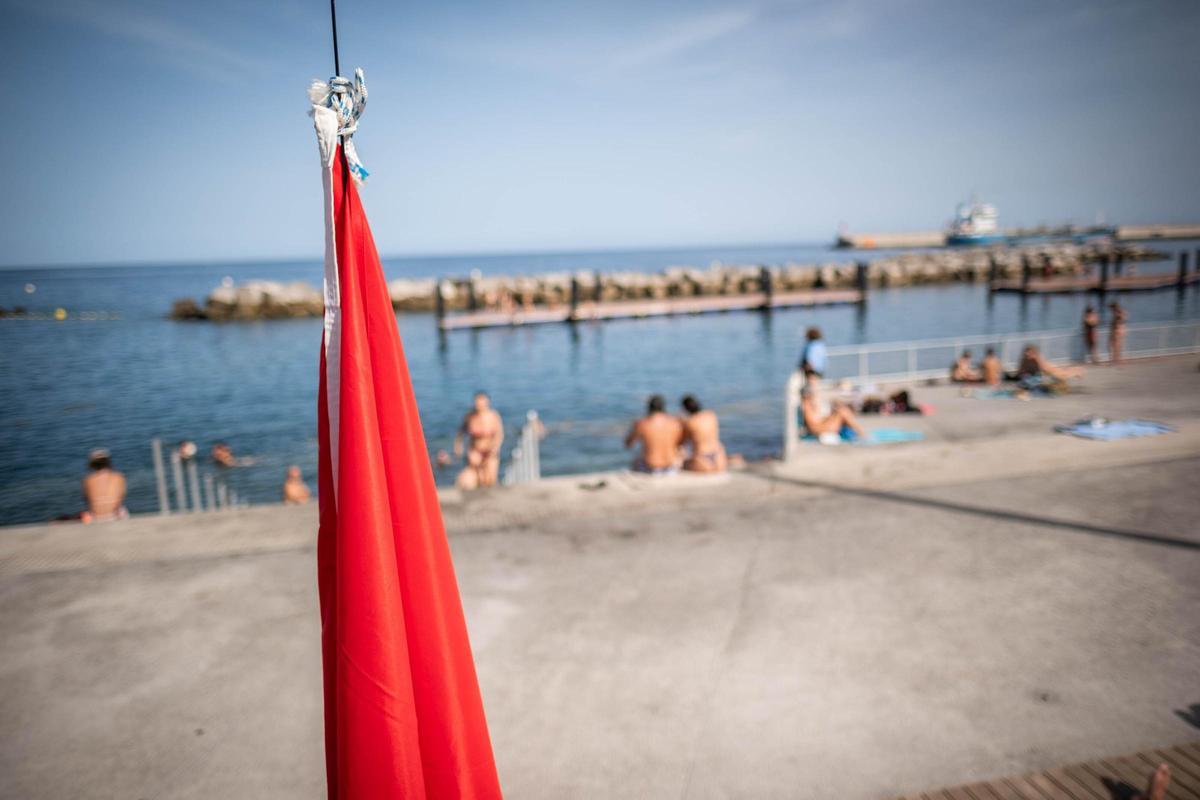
[[254, 300]]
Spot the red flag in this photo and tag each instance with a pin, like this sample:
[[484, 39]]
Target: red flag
[[403, 715]]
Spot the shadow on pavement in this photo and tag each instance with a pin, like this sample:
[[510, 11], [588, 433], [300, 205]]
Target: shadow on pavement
[[994, 513]]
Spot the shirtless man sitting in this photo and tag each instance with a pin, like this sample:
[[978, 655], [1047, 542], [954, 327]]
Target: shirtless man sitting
[[821, 417], [964, 371], [483, 426], [660, 435], [103, 490], [295, 490], [702, 430], [993, 370]]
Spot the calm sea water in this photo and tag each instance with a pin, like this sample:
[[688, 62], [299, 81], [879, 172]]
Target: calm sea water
[[67, 387]]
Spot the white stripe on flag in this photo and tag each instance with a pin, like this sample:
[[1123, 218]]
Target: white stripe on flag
[[326, 124]]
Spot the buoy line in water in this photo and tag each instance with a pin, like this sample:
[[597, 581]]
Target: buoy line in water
[[59, 315]]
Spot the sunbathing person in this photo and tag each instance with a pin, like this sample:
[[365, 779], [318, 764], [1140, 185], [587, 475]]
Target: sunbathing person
[[822, 417], [484, 427], [702, 431], [1035, 372], [964, 371], [660, 435], [103, 490]]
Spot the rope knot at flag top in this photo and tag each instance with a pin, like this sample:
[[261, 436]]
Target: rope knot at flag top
[[347, 101]]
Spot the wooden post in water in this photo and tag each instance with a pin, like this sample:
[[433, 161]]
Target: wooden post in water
[[1183, 268], [766, 285], [574, 297], [993, 271], [1103, 273], [860, 279], [439, 302], [472, 297], [598, 288], [160, 477], [1026, 273], [1120, 265]]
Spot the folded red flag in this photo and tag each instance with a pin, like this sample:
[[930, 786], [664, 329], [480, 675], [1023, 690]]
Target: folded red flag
[[403, 715]]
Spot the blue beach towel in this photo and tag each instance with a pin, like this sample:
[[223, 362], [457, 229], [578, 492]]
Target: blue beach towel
[[889, 435], [992, 394], [877, 436], [1108, 430]]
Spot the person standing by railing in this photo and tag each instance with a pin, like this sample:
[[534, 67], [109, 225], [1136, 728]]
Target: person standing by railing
[[1091, 321], [1116, 334], [814, 357]]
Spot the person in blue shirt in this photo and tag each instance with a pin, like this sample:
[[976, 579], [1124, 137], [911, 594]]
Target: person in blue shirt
[[814, 357]]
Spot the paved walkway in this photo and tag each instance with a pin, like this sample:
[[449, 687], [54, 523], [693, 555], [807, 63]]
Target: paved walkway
[[863, 623]]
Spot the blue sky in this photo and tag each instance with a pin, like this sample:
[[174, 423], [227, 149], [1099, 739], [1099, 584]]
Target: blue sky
[[177, 131]]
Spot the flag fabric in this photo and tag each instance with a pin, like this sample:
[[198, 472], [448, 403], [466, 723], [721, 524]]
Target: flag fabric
[[403, 713]]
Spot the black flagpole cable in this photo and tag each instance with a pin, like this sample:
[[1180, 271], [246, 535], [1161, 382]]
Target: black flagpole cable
[[337, 64], [337, 71]]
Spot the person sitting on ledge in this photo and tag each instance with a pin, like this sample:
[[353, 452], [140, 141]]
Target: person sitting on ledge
[[103, 490], [964, 371], [295, 490], [993, 370], [822, 418], [702, 430], [660, 435]]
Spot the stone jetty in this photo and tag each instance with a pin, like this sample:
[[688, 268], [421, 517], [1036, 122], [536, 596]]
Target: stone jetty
[[275, 300]]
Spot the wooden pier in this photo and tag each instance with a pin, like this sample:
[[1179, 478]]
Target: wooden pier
[[1102, 779], [1085, 283], [1101, 282], [640, 309]]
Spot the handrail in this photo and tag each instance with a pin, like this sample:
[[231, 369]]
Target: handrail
[[989, 338], [525, 465]]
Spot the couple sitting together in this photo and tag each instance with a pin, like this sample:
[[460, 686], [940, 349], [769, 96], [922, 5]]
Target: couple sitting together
[[692, 442]]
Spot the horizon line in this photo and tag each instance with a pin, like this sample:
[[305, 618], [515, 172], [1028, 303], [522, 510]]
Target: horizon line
[[283, 259]]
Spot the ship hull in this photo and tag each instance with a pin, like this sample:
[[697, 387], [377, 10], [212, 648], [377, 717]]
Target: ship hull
[[974, 239]]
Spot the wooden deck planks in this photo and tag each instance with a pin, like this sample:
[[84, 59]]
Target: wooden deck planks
[[639, 309], [1110, 778]]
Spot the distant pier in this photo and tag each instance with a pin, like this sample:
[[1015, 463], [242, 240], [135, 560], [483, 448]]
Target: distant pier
[[640, 309], [1099, 279], [922, 239], [484, 301]]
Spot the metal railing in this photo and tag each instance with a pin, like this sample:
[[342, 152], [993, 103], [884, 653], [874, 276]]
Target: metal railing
[[525, 465], [898, 362], [889, 362], [217, 496]]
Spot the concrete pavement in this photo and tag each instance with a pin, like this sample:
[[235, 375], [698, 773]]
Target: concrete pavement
[[860, 623]]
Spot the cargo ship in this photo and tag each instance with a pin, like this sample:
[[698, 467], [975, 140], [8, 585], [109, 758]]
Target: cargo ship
[[974, 224]]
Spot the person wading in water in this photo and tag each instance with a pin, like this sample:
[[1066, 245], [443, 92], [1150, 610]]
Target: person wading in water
[[483, 426]]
